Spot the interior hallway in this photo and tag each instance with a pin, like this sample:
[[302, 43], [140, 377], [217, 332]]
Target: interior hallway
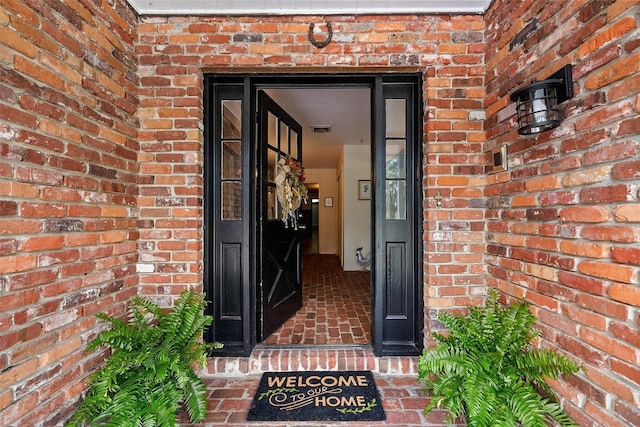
[[336, 306]]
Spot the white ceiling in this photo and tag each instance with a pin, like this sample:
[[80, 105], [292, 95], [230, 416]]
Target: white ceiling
[[306, 7], [346, 110]]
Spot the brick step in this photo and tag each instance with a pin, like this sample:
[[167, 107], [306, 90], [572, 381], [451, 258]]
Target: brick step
[[322, 358]]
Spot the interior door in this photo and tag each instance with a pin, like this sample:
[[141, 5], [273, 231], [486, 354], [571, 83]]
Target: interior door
[[280, 246]]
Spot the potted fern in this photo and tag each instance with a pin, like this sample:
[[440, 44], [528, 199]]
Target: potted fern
[[486, 370], [150, 374]]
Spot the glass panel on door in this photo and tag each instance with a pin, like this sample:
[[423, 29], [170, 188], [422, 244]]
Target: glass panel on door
[[231, 200], [272, 206], [395, 159], [284, 138], [231, 160], [293, 150], [272, 129], [395, 190], [272, 160], [396, 118], [231, 123]]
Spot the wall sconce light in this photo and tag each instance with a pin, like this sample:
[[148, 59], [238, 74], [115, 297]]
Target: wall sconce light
[[537, 103]]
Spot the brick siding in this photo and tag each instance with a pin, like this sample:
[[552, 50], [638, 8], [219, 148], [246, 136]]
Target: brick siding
[[562, 222], [175, 51], [68, 195], [101, 174]]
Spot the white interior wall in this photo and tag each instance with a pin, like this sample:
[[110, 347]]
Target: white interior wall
[[328, 230], [356, 214]]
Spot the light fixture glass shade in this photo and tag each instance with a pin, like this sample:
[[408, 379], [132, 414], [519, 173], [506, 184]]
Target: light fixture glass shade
[[537, 106]]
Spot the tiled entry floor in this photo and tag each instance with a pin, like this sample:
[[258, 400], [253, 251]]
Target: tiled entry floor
[[336, 306]]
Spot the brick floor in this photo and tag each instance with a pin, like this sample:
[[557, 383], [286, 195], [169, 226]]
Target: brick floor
[[336, 306]]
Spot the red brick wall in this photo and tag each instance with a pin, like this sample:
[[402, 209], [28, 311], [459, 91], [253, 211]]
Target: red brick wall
[[174, 52], [559, 229], [68, 171], [563, 223]]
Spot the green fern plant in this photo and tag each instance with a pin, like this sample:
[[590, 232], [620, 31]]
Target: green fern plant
[[486, 370], [150, 374]]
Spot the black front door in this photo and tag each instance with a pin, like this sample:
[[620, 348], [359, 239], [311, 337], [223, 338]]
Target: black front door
[[398, 320], [280, 260], [252, 261]]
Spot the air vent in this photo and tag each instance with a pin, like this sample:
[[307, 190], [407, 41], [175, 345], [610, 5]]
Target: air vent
[[321, 128]]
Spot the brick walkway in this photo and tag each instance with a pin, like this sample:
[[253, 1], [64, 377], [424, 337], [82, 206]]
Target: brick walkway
[[331, 332], [232, 382], [336, 306]]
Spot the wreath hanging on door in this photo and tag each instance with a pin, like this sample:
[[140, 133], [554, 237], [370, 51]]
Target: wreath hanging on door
[[290, 189]]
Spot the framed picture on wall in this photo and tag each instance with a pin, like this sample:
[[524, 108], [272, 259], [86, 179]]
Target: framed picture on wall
[[364, 189]]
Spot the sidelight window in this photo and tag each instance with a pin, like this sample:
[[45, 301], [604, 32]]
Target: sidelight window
[[231, 167]]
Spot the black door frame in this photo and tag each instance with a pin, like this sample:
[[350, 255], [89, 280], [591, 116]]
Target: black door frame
[[246, 87]]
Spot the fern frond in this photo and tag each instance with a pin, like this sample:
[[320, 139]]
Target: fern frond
[[541, 362], [143, 312], [527, 405], [480, 399], [485, 367], [149, 375], [196, 399], [555, 412], [187, 320]]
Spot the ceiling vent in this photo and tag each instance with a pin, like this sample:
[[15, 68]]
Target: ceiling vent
[[321, 128]]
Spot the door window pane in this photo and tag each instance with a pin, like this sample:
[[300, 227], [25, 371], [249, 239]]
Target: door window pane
[[396, 199], [272, 212], [231, 200], [272, 160], [396, 118], [272, 137], [284, 138], [396, 158], [231, 160], [231, 123], [293, 150]]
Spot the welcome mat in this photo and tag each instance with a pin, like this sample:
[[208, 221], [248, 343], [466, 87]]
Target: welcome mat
[[317, 396]]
